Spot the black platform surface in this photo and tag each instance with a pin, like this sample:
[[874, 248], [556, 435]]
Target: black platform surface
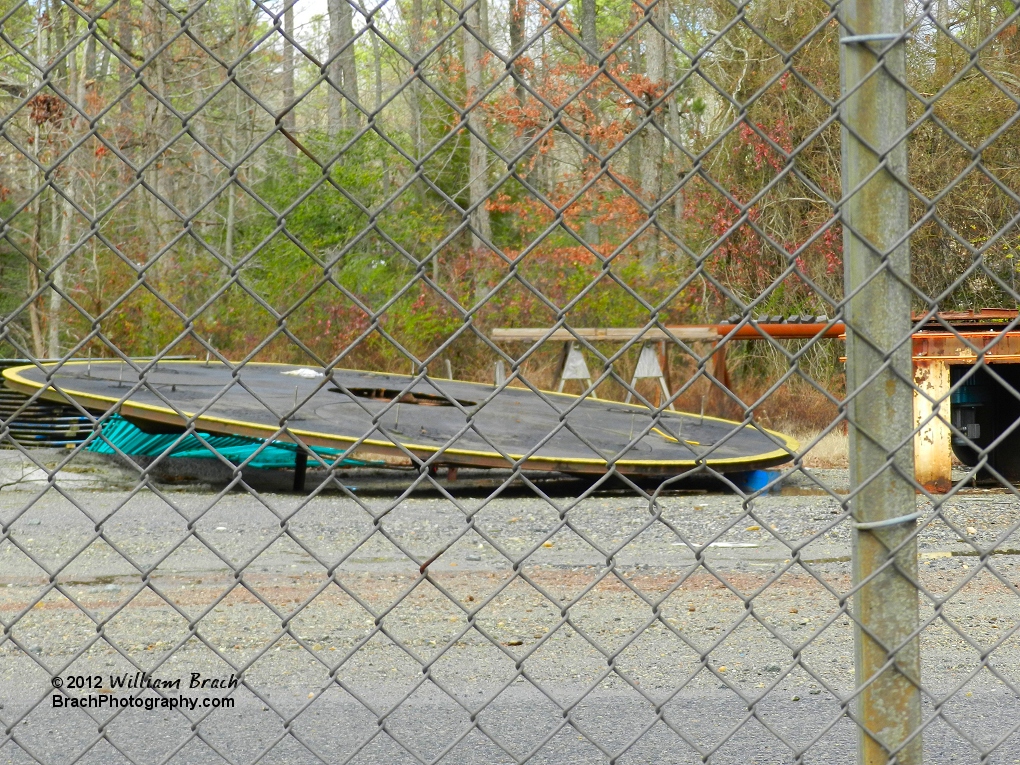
[[390, 417]]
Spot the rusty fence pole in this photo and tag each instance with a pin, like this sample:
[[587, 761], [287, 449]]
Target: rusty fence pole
[[878, 374]]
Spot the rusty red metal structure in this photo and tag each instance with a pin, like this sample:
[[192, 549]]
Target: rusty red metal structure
[[983, 409]]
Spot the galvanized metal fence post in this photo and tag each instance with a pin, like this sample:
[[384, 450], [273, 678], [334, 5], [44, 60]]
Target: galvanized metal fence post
[[878, 371]]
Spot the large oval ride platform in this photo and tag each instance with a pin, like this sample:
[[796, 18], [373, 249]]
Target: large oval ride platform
[[389, 417]]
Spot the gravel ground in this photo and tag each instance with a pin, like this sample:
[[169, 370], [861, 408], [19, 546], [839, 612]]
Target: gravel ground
[[552, 629]]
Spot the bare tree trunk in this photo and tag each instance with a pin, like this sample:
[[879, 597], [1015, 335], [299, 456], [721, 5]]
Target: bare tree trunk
[[478, 182], [677, 156], [377, 73], [57, 21], [34, 250], [157, 127], [206, 166], [35, 246], [590, 230], [943, 45], [228, 245], [588, 34], [414, 88], [352, 115], [56, 300], [90, 54], [334, 103], [103, 68], [515, 22], [289, 121], [75, 88], [342, 69], [439, 6], [377, 104], [235, 152], [652, 143], [33, 286], [125, 35], [634, 146]]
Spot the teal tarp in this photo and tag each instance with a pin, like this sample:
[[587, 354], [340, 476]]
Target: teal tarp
[[131, 440]]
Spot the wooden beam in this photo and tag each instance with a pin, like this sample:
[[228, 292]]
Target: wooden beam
[[613, 334]]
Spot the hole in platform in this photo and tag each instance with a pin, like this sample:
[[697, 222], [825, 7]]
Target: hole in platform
[[403, 397]]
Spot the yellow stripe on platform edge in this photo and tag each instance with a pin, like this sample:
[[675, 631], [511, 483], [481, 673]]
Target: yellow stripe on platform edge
[[227, 426]]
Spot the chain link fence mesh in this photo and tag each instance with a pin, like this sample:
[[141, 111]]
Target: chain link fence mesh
[[747, 194]]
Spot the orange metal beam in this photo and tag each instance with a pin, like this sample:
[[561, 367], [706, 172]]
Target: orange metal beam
[[757, 331]]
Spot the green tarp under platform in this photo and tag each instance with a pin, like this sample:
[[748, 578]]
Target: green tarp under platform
[[131, 440]]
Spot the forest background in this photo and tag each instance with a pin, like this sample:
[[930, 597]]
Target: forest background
[[378, 186]]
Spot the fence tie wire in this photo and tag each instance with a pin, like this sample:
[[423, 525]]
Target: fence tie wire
[[867, 526]]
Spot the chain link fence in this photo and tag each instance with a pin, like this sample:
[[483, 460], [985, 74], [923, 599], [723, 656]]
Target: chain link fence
[[287, 289]]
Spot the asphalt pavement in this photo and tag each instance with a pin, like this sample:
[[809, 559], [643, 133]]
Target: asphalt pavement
[[386, 625]]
